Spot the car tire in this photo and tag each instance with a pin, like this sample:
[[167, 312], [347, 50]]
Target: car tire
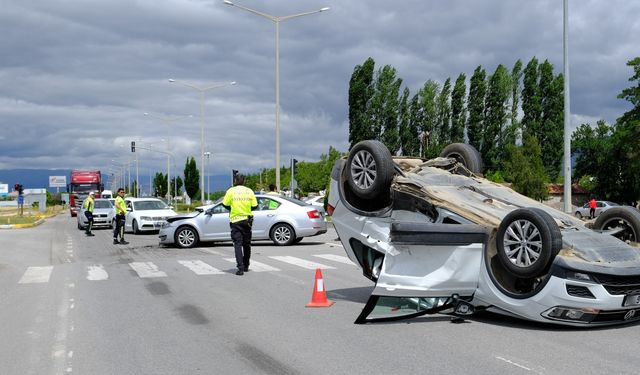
[[282, 234], [370, 169], [135, 229], [186, 237], [538, 232], [466, 155], [578, 215], [625, 218]]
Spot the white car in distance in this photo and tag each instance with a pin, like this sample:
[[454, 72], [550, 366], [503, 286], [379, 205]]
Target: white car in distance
[[146, 214]]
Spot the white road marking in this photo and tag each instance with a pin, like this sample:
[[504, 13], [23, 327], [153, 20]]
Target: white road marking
[[212, 252], [36, 275], [146, 269], [301, 262], [200, 267], [513, 363], [333, 244], [336, 258], [96, 273], [255, 266]]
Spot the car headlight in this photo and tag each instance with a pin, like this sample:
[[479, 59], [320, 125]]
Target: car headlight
[[579, 276], [165, 224], [145, 218]]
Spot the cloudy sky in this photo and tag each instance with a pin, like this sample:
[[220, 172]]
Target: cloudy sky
[[77, 76]]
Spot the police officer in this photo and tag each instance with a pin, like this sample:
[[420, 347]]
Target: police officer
[[121, 211], [272, 190], [240, 200], [88, 206]]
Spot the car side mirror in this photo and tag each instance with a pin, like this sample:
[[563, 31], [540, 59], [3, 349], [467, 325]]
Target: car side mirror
[[209, 212], [129, 209]]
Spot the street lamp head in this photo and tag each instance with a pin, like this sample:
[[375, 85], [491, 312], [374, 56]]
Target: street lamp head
[[233, 83], [228, 2], [146, 114], [172, 80], [325, 9]]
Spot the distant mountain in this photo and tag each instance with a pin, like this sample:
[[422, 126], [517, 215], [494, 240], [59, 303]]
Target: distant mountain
[[39, 178]]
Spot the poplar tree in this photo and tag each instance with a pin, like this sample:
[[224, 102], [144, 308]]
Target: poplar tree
[[360, 91], [496, 117], [531, 101], [476, 106], [458, 110], [511, 132], [384, 108], [191, 177], [552, 120], [428, 115], [443, 122]]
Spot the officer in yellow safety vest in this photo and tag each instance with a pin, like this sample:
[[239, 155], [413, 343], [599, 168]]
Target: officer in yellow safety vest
[[88, 206], [240, 200], [272, 191], [121, 211]]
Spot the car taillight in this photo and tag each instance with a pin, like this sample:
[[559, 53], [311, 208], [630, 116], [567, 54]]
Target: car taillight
[[313, 214], [330, 210]]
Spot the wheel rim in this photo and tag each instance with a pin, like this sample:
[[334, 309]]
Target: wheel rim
[[186, 237], [522, 243], [456, 156], [282, 234], [363, 169], [626, 232]]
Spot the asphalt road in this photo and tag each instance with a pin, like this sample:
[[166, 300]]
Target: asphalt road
[[71, 304]]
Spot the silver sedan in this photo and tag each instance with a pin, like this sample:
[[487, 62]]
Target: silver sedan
[[103, 215], [283, 220]]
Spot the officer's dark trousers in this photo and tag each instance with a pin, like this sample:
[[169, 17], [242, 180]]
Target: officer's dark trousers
[[241, 236], [119, 229], [89, 216]]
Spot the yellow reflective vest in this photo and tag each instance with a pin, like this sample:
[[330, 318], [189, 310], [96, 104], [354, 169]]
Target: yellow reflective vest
[[88, 204], [241, 199], [121, 207]]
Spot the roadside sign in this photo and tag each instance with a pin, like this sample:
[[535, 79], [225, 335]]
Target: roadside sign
[[4, 189], [57, 181]]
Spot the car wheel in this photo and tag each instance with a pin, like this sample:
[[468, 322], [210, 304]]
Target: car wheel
[[528, 240], [186, 237], [282, 234], [465, 154], [578, 215], [136, 230], [370, 169], [623, 222]]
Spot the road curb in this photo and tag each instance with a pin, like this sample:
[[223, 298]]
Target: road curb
[[22, 226]]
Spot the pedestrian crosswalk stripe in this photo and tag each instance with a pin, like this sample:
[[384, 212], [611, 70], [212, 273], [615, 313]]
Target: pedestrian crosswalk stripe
[[200, 268], [336, 258], [36, 275], [147, 269], [96, 273], [301, 262], [255, 266]]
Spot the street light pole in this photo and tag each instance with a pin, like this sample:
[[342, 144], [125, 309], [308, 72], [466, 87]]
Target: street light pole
[[202, 91], [567, 112], [208, 165], [276, 20]]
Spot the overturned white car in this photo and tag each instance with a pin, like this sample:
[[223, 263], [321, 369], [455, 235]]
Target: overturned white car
[[437, 237]]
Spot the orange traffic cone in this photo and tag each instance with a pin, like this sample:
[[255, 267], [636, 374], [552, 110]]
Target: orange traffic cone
[[319, 296]]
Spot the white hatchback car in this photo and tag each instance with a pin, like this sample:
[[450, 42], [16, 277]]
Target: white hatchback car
[[146, 214]]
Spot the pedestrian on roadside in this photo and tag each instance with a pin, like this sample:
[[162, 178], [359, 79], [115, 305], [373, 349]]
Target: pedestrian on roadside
[[592, 208], [87, 206], [121, 211], [272, 190], [240, 200]]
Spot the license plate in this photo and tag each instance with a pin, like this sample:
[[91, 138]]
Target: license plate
[[632, 300]]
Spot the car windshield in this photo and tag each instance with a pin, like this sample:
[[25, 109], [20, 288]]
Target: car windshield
[[102, 204], [150, 205], [611, 203]]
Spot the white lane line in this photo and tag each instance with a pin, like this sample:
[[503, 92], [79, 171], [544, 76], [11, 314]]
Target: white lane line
[[36, 275], [200, 268], [301, 262], [97, 273], [255, 266], [214, 252], [336, 258], [513, 363], [146, 269]]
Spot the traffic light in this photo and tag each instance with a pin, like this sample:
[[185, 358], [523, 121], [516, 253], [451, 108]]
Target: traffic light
[[133, 146], [294, 164], [235, 172]]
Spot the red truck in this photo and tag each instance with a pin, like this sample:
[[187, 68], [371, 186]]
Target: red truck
[[80, 185]]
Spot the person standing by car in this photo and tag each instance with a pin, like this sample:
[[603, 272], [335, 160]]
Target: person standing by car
[[272, 190], [88, 206], [592, 208], [240, 200], [121, 211]]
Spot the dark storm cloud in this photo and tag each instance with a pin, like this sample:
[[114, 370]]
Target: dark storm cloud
[[77, 76]]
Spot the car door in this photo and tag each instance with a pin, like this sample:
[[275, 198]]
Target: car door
[[599, 208], [264, 217], [128, 218], [215, 225], [420, 267]]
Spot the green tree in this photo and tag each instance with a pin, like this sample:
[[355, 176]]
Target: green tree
[[443, 121], [552, 126], [496, 117], [458, 110], [524, 169], [427, 115], [476, 106], [511, 132], [408, 136], [384, 108], [531, 100], [160, 184], [191, 177], [360, 92], [176, 186]]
